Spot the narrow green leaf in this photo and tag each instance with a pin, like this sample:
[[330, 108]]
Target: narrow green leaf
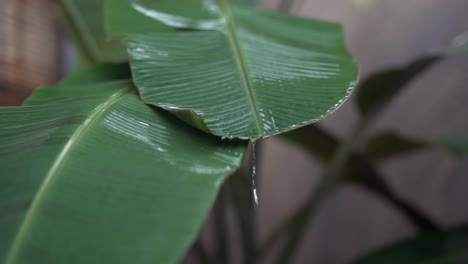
[[448, 247], [380, 88], [316, 140], [386, 145], [245, 73], [90, 174], [86, 23]]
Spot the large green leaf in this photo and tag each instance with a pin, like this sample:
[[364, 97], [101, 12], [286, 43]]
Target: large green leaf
[[237, 71], [86, 23], [189, 13], [90, 174], [448, 247], [118, 13]]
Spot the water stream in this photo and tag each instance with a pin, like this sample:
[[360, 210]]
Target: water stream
[[253, 163]]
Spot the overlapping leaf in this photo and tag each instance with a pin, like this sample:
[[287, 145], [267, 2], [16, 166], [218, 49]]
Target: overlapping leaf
[[90, 174], [86, 24], [237, 71]]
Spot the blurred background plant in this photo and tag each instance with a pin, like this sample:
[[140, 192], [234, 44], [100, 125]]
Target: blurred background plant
[[386, 167]]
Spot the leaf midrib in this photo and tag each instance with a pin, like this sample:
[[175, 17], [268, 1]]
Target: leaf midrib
[[233, 40], [56, 166]]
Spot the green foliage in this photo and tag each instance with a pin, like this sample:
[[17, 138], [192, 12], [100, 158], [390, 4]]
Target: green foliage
[[90, 174], [118, 13], [86, 23], [239, 72], [98, 73]]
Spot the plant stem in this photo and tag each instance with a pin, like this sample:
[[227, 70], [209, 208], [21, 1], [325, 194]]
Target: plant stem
[[222, 231], [238, 192], [242, 199]]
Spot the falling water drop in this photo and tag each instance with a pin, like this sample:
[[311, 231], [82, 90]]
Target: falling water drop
[[254, 174]]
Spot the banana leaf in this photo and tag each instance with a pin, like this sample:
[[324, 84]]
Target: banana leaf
[[233, 70], [90, 174], [85, 23]]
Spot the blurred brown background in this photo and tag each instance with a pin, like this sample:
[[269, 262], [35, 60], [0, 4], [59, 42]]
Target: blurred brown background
[[380, 33], [30, 47]]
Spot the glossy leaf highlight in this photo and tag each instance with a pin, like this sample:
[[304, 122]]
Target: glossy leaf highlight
[[240, 71], [90, 174]]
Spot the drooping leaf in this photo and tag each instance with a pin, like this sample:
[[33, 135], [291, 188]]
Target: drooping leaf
[[90, 174], [380, 88], [316, 140], [85, 19], [238, 71], [448, 247], [386, 145]]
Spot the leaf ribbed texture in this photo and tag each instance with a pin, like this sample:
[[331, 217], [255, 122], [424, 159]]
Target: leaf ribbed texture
[[245, 72], [90, 174]]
